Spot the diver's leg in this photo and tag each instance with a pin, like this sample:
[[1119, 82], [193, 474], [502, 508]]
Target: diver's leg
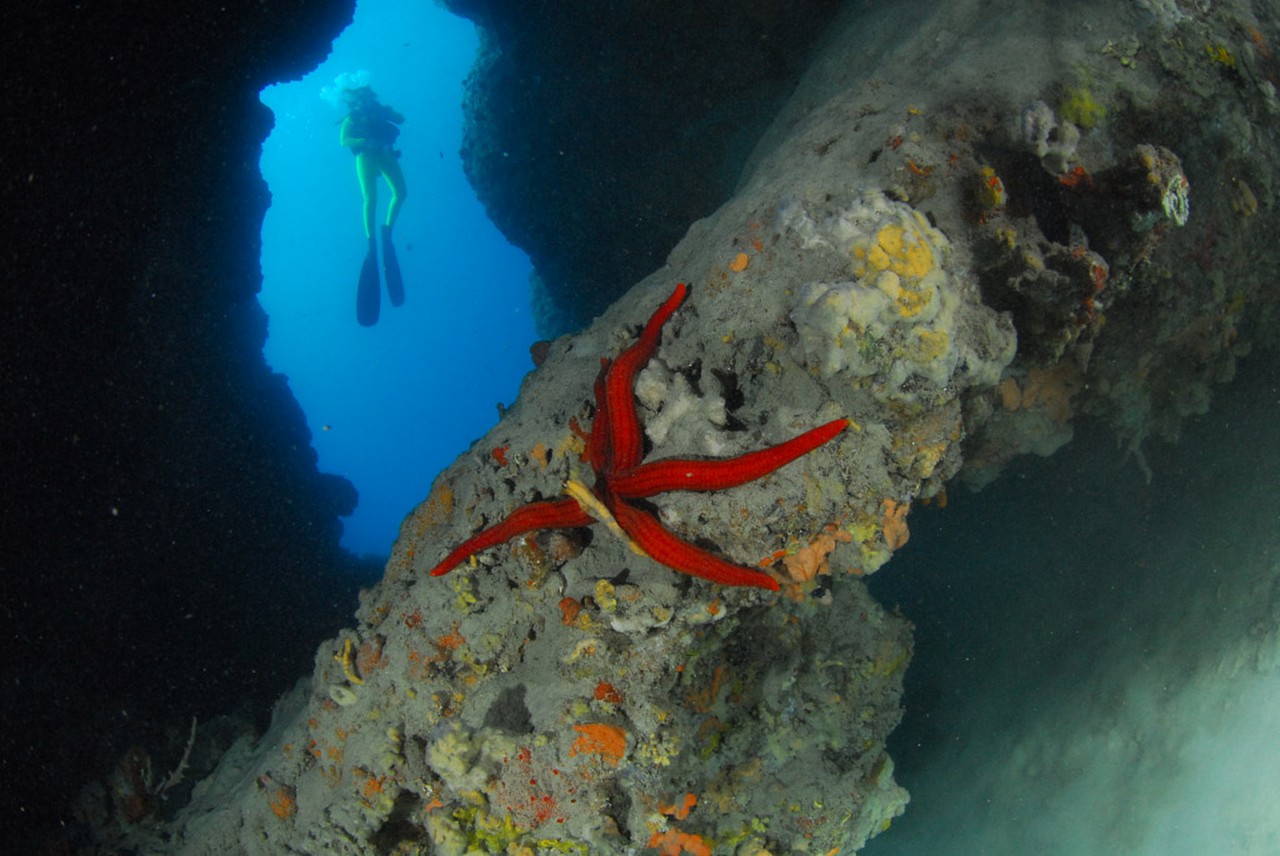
[[367, 170], [368, 295], [390, 265], [395, 178]]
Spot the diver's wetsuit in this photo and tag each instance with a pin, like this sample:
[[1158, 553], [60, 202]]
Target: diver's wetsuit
[[370, 131]]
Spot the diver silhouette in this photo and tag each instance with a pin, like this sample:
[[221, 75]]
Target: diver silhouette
[[370, 131]]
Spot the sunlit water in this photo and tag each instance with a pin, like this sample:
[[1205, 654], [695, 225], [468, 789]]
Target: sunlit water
[[389, 406]]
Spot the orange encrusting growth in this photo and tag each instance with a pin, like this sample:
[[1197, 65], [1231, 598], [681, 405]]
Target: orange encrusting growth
[[673, 842], [607, 692], [569, 609], [597, 738], [679, 810], [283, 802], [894, 523]]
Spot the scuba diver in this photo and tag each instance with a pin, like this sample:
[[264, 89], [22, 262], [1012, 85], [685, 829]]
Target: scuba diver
[[370, 131]]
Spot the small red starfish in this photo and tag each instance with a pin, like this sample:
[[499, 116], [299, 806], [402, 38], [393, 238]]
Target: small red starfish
[[614, 449]]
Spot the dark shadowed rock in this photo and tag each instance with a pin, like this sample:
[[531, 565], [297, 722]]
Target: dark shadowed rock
[[594, 138]]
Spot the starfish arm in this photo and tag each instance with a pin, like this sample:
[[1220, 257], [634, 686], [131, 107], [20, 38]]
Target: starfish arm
[[547, 514], [624, 436], [679, 555], [690, 474]]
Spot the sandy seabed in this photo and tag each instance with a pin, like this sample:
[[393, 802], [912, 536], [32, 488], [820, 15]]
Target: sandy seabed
[[1097, 657]]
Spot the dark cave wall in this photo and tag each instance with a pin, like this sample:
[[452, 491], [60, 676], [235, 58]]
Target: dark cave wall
[[595, 160], [168, 547]]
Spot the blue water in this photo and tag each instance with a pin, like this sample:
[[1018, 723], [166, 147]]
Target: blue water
[[389, 406]]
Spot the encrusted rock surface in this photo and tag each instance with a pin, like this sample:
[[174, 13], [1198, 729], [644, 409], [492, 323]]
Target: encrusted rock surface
[[914, 246]]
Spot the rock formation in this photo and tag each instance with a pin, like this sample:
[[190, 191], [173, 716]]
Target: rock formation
[[168, 547], [616, 125], [959, 233]]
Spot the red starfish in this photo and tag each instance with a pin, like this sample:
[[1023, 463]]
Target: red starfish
[[614, 449]]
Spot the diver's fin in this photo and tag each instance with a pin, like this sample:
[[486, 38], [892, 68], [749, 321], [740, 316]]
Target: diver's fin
[[391, 267], [367, 297]]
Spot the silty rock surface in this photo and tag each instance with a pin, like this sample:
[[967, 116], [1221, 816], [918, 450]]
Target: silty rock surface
[[564, 690], [924, 243]]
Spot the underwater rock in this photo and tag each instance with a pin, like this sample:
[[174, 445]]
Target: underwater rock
[[565, 694], [160, 490], [1052, 141], [909, 327]]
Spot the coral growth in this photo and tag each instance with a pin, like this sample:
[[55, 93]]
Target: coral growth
[[905, 324]]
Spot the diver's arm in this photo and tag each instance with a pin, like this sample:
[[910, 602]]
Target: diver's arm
[[345, 138]]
